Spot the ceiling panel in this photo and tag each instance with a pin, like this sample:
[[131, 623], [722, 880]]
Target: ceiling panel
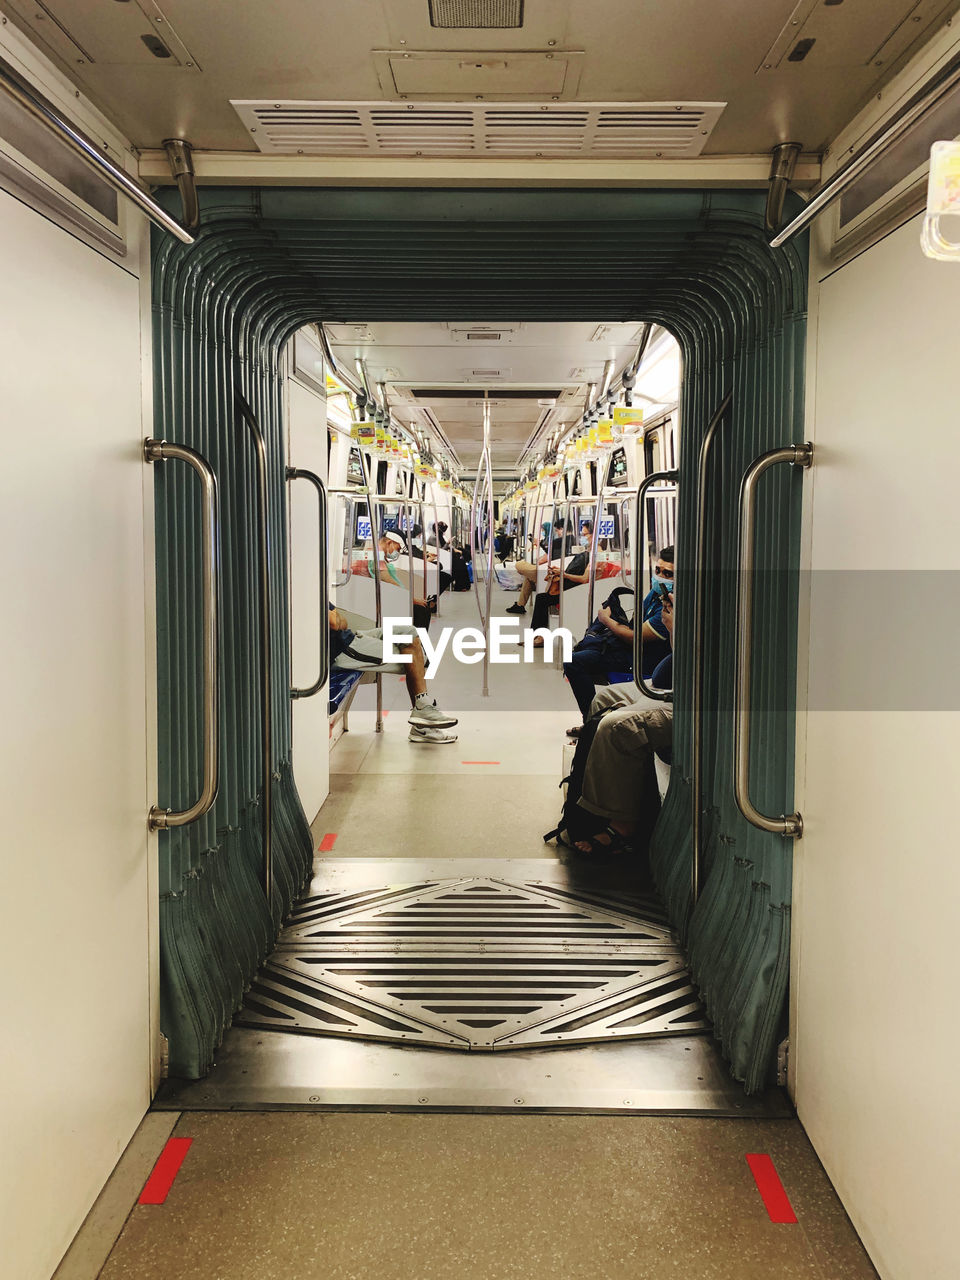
[[545, 370], [685, 50]]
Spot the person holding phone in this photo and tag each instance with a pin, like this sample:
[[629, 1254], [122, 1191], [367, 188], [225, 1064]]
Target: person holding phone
[[601, 652]]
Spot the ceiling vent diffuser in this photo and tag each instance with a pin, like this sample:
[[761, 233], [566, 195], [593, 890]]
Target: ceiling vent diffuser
[[595, 130], [476, 14]]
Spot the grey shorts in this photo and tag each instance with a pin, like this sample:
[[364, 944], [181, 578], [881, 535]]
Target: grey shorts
[[369, 645]]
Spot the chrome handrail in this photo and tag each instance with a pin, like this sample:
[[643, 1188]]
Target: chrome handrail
[[698, 644], [266, 639], [42, 109], [798, 455], [595, 539], [373, 512], [945, 81], [640, 521], [160, 451], [300, 473]]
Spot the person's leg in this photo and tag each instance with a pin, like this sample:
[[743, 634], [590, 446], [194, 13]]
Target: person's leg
[[528, 572], [424, 711], [415, 670], [617, 779], [582, 672], [541, 611], [610, 696]]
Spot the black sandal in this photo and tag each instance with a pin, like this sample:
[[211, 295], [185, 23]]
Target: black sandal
[[618, 844]]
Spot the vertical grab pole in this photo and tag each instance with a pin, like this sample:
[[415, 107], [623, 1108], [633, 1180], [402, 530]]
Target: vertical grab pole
[[699, 569], [640, 514], [490, 558], [373, 512], [595, 539], [266, 641]]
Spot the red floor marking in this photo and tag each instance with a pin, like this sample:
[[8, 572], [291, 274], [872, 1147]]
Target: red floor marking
[[328, 841], [771, 1189], [164, 1171], [479, 761]]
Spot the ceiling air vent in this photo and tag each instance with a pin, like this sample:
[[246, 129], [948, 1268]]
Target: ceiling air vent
[[476, 14], [494, 130]]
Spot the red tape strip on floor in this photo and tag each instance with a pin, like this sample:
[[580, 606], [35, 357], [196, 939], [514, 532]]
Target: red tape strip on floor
[[328, 841], [164, 1171], [771, 1189]]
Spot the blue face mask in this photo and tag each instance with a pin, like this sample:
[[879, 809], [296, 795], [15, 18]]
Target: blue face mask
[[667, 582], [391, 555]]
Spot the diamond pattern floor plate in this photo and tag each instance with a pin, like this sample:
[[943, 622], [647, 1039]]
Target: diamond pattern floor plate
[[476, 963]]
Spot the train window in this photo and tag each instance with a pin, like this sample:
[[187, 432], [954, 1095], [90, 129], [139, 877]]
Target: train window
[[308, 364], [618, 466], [354, 468], [382, 476], [575, 489]]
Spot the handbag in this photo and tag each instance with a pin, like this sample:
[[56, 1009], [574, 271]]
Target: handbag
[[577, 565]]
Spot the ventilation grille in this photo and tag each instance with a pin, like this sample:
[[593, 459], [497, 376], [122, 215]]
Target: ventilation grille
[[476, 964], [597, 130], [476, 14]]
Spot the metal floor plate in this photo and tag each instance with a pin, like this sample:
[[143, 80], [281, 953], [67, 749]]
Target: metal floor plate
[[680, 1072], [476, 963]]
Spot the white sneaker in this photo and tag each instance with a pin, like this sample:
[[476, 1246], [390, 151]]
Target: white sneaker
[[431, 717], [430, 735]]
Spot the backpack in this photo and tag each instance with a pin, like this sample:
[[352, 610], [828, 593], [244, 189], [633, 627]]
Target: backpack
[[618, 653], [577, 823]]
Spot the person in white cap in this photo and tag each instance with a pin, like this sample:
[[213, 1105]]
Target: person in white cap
[[392, 545]]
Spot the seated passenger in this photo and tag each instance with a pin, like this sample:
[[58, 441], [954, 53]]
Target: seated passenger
[[458, 565], [416, 535], [598, 654], [552, 549], [363, 651], [620, 779], [575, 574], [392, 544]]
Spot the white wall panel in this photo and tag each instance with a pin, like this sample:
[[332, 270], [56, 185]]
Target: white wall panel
[[307, 448], [75, 907], [874, 1028]]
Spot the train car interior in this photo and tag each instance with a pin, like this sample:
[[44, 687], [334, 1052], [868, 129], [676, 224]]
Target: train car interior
[[480, 704]]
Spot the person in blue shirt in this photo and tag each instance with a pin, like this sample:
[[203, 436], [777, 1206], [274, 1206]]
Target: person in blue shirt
[[599, 653]]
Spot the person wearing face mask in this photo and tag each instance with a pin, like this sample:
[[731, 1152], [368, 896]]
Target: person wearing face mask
[[553, 546], [392, 545], [598, 654]]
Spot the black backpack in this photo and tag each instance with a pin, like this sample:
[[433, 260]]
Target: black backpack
[[577, 823]]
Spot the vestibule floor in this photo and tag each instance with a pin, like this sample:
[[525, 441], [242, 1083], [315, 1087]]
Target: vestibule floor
[[317, 1156]]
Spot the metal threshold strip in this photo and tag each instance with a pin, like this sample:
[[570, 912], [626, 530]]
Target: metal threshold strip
[[475, 964]]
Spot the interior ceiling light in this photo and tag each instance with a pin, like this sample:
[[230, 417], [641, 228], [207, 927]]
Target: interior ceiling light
[[476, 14]]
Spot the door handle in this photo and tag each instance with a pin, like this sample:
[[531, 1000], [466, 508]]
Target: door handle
[[160, 451], [797, 455], [300, 473]]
